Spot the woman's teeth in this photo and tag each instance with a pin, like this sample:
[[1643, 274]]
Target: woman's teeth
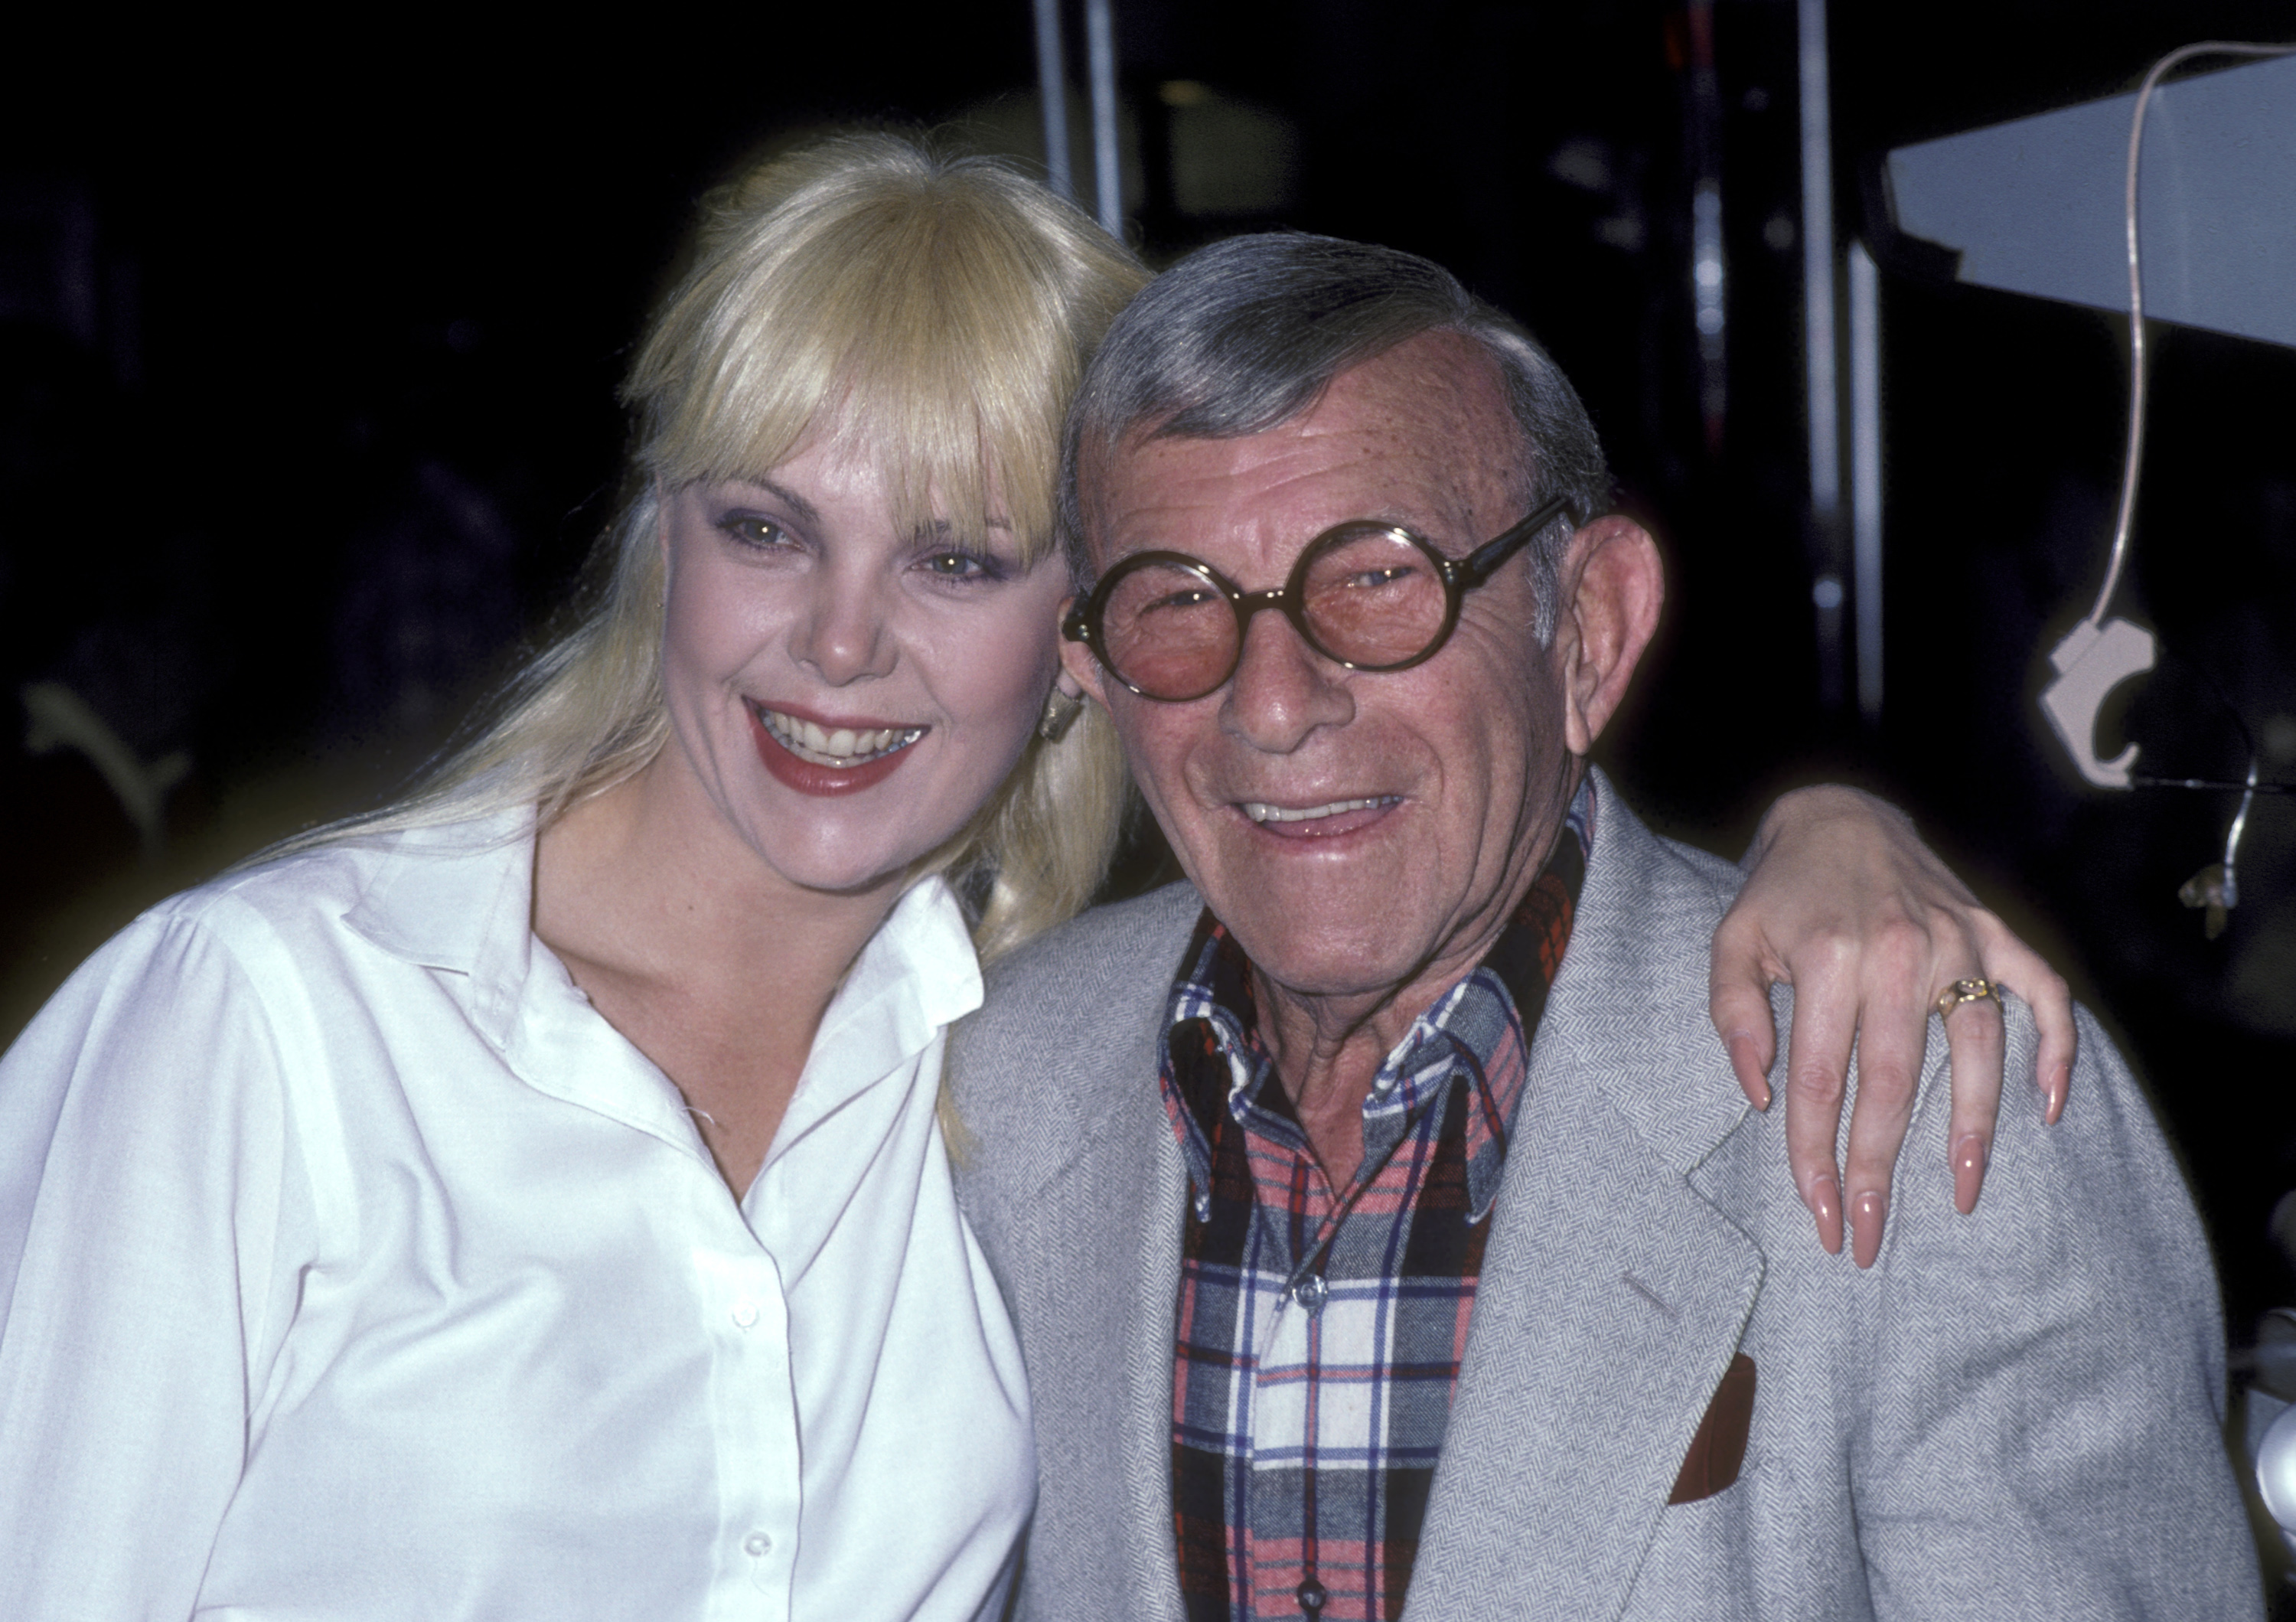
[[1260, 812], [838, 747]]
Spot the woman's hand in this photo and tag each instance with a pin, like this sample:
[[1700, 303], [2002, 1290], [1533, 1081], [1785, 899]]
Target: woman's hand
[[1849, 907]]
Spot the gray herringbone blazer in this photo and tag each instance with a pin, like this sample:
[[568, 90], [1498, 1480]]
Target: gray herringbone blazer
[[2013, 1414]]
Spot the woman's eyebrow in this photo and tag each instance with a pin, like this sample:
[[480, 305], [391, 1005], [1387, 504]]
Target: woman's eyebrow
[[800, 509]]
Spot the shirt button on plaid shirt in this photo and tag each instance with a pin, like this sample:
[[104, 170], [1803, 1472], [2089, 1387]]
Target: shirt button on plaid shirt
[[1319, 1330]]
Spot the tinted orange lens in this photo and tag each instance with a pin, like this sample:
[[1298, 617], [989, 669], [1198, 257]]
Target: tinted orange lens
[[1169, 631], [1371, 597]]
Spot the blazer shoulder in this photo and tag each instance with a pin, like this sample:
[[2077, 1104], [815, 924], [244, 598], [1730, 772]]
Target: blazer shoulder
[[1636, 868], [1646, 914], [1072, 970], [1067, 1019], [1628, 1006]]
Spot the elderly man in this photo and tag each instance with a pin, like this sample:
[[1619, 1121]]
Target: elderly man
[[1381, 1222]]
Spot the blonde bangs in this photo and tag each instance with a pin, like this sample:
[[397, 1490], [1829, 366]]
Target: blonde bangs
[[936, 337]]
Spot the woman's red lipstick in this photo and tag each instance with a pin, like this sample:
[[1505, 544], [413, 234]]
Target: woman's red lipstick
[[808, 777]]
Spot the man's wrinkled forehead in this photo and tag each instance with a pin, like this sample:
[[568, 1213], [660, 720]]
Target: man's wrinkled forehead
[[1421, 432]]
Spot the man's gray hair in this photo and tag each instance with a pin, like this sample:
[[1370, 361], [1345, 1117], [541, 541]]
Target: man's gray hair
[[1246, 335]]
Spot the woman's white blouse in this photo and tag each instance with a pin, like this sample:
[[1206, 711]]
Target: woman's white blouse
[[352, 1265]]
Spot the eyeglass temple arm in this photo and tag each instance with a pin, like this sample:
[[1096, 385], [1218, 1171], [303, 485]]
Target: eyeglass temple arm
[[1479, 565]]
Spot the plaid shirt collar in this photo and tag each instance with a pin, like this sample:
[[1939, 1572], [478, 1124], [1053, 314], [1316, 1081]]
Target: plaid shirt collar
[[1476, 1026]]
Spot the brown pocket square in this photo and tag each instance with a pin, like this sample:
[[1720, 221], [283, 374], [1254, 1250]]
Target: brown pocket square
[[1719, 1447]]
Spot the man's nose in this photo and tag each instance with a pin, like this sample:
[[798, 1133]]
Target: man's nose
[[1282, 690], [842, 630]]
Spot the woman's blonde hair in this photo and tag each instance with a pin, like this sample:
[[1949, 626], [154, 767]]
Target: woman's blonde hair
[[937, 310]]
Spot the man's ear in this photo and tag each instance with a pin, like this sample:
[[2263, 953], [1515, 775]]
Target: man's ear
[[1079, 669], [1612, 586]]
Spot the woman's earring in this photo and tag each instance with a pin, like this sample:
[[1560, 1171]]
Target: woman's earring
[[1060, 711]]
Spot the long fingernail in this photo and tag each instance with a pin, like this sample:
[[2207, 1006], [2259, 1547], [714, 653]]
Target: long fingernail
[[1865, 1227], [1746, 1061], [2060, 1083], [1968, 1172], [1824, 1202]]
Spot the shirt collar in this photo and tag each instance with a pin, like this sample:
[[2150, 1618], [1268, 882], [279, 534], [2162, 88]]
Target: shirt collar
[[917, 975], [460, 897]]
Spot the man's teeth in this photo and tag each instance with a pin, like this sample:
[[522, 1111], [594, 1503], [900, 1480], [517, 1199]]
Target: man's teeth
[[1259, 811], [840, 746]]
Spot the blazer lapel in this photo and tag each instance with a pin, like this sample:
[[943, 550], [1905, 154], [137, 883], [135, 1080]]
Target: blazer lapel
[[1103, 1325], [1147, 1445], [1612, 1296], [1612, 1302]]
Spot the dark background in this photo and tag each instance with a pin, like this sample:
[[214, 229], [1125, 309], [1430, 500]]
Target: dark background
[[308, 345]]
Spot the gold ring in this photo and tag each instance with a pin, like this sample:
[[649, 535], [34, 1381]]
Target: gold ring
[[1967, 991]]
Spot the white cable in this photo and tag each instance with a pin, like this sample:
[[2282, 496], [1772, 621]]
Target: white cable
[[2232, 838], [2135, 456]]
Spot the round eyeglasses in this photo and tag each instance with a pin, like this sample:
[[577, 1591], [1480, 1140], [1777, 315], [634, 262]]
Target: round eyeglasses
[[1365, 596]]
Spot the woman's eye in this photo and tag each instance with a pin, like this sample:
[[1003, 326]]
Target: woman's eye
[[751, 531], [960, 566]]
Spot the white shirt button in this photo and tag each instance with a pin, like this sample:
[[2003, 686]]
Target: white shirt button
[[756, 1545], [745, 1315], [1310, 1292]]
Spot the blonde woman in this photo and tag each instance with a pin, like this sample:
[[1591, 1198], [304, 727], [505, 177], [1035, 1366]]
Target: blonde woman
[[529, 1200]]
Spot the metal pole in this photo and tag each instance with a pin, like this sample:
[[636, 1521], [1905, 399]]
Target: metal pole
[[1099, 46], [1818, 347], [1866, 472], [1818, 263], [1053, 91], [1707, 269]]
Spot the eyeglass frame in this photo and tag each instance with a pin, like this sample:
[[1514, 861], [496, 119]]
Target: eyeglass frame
[[1084, 622]]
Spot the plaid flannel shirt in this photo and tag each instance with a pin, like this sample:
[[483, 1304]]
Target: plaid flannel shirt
[[1320, 1330]]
